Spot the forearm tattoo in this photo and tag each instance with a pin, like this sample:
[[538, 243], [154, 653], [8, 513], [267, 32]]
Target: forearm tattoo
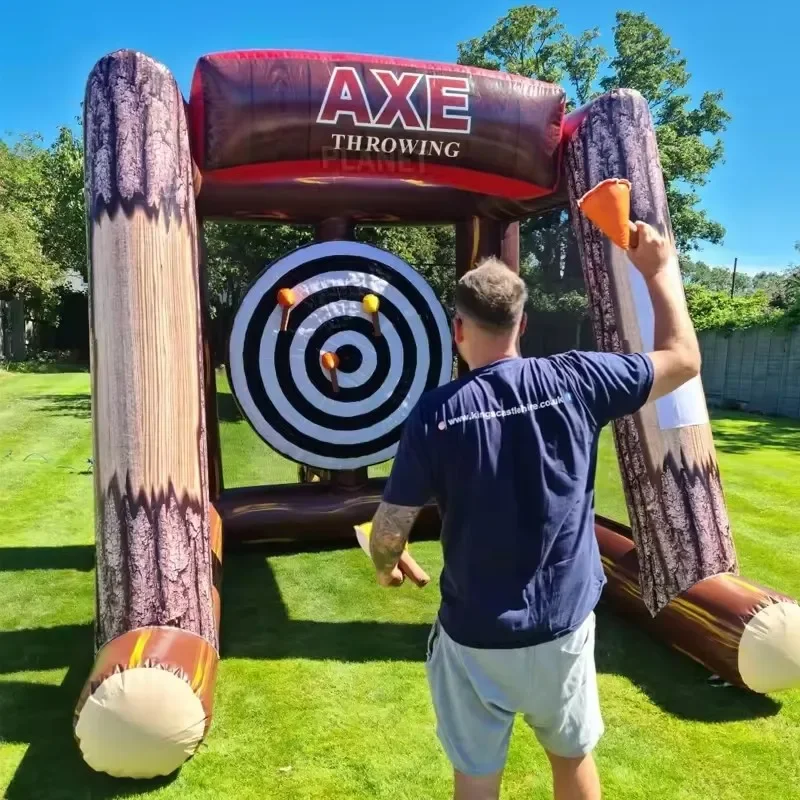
[[390, 530]]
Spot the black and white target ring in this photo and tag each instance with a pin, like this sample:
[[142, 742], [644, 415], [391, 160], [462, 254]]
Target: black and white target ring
[[277, 376]]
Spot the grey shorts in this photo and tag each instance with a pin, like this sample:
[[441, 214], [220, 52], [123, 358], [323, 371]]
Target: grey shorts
[[478, 693]]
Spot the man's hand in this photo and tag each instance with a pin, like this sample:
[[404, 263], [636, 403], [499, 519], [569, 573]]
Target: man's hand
[[652, 253], [391, 579], [390, 529]]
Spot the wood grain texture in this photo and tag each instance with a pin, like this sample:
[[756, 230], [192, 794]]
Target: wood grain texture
[[671, 478], [154, 558]]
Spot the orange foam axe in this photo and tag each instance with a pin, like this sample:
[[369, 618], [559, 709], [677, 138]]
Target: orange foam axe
[[608, 206], [330, 362], [408, 566]]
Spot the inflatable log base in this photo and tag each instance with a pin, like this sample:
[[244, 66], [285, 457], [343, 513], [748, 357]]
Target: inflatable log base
[[747, 635], [147, 704]]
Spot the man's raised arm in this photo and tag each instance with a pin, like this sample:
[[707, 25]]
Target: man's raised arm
[[676, 352]]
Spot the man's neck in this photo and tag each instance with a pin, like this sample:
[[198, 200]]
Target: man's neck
[[490, 357]]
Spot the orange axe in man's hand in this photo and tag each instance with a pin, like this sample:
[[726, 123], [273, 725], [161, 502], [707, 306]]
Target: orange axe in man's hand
[[608, 206]]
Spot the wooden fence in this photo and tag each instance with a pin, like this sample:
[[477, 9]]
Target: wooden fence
[[757, 370]]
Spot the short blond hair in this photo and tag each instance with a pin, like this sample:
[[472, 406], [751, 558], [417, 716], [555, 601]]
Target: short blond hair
[[492, 295]]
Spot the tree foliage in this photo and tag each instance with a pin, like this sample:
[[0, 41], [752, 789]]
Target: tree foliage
[[531, 41], [430, 249], [528, 41], [714, 309], [235, 253], [688, 137], [766, 298], [61, 206], [789, 295], [25, 269], [717, 279]]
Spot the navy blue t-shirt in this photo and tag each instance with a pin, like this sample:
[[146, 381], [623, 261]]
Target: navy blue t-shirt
[[509, 453]]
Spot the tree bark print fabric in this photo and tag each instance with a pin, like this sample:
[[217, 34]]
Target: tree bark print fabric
[[154, 559], [671, 479], [137, 142]]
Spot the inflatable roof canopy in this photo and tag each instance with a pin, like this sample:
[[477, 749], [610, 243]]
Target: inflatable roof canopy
[[380, 139]]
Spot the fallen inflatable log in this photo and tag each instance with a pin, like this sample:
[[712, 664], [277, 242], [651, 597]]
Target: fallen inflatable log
[[746, 634]]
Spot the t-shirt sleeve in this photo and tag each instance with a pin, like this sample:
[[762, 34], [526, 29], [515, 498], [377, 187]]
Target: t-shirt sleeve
[[611, 385], [410, 481]]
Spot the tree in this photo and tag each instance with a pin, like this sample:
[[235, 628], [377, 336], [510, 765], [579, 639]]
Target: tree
[[771, 283], [61, 206], [430, 249], [26, 274], [527, 41], [582, 62], [717, 279], [530, 41], [235, 253], [25, 269], [688, 138], [790, 294], [713, 309]]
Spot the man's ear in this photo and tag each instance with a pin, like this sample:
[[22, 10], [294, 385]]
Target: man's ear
[[523, 323], [458, 330]]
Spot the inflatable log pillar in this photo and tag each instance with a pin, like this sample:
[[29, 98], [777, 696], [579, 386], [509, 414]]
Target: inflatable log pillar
[[666, 454], [147, 703], [478, 238], [682, 569]]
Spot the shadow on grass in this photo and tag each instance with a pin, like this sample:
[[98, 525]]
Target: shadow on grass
[[227, 410], [41, 649], [256, 625], [63, 405], [751, 432], [75, 557], [40, 715], [673, 682]]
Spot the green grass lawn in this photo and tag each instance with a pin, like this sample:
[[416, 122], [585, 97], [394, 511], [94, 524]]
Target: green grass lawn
[[321, 690]]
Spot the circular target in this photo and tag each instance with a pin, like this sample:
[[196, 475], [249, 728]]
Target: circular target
[[349, 416]]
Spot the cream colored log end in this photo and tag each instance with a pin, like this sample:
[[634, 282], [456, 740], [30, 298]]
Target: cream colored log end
[[769, 651], [140, 723]]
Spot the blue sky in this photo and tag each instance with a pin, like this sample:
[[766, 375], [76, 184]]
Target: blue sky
[[749, 50]]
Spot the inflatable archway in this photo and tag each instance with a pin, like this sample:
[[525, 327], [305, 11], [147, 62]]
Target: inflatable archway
[[334, 140]]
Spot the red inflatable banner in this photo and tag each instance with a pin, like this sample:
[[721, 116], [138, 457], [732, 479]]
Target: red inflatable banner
[[260, 119]]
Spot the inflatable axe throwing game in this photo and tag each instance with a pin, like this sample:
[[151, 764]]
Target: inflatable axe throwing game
[[334, 343]]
